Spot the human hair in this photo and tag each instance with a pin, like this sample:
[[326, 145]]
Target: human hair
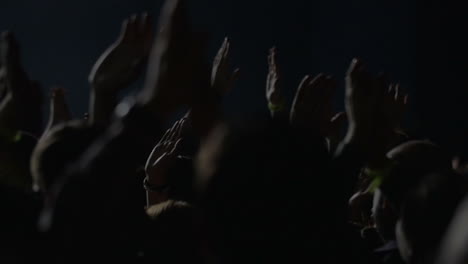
[[172, 235]]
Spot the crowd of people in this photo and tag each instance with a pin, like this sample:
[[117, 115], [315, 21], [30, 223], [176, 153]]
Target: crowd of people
[[162, 177]]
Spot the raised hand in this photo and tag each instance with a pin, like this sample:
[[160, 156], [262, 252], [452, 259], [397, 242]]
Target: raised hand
[[206, 109], [394, 106], [160, 161], [363, 96], [21, 108], [59, 112], [369, 129], [336, 130], [273, 90], [312, 106], [166, 146], [121, 63], [119, 66], [176, 64], [222, 78]]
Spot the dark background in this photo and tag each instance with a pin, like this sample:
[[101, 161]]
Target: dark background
[[419, 43]]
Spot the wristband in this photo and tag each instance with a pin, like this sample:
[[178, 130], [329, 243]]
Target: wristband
[[275, 107], [378, 176]]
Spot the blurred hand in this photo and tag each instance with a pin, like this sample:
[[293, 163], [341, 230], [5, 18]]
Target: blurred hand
[[175, 67], [312, 107], [122, 62], [364, 95], [164, 154], [336, 130], [274, 95], [222, 79], [23, 109], [369, 127], [59, 112]]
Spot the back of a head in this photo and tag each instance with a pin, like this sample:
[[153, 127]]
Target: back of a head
[[410, 163], [264, 186], [455, 241], [173, 233], [54, 152], [426, 214]]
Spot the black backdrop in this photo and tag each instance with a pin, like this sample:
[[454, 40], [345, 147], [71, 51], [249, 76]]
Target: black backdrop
[[420, 43]]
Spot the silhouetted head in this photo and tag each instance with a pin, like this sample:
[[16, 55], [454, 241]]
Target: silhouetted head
[[455, 241], [409, 164], [426, 214], [264, 190], [175, 239]]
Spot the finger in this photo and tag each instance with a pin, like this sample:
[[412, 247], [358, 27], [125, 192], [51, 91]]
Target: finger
[[339, 118], [226, 49], [9, 47], [272, 58], [316, 88], [355, 67], [302, 86], [147, 33], [165, 136], [235, 75], [180, 128], [132, 27], [405, 99], [155, 153], [221, 52], [143, 23], [124, 30], [397, 92], [391, 90], [218, 61], [176, 147], [232, 80], [327, 99], [331, 88], [174, 129]]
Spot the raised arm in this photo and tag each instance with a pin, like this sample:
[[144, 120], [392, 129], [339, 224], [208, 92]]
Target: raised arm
[[274, 96], [99, 186], [119, 66], [22, 98], [58, 109]]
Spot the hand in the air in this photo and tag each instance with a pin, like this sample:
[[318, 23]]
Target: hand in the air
[[122, 62], [222, 78]]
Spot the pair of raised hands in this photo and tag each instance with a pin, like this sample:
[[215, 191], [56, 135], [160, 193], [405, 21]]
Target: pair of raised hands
[[175, 65], [374, 109], [312, 107], [176, 75], [21, 98]]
